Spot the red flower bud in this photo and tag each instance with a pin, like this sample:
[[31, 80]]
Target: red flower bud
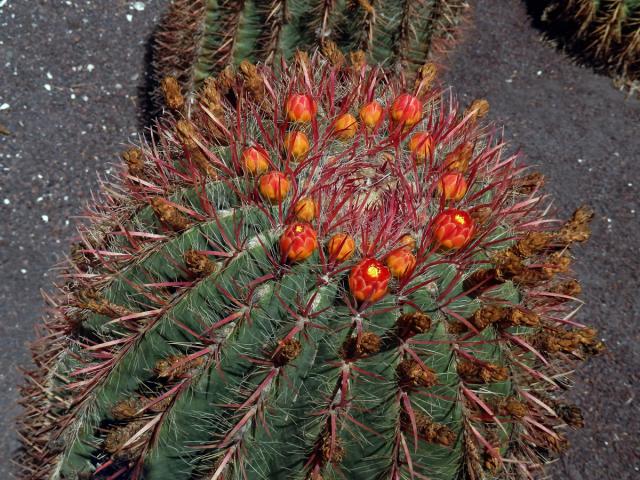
[[370, 114], [341, 247], [298, 241], [300, 108], [255, 161], [274, 186], [453, 186], [400, 262], [345, 126], [420, 146], [306, 209], [453, 228], [297, 144], [369, 280], [406, 110]]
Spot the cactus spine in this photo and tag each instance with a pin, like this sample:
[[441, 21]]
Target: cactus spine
[[331, 315]]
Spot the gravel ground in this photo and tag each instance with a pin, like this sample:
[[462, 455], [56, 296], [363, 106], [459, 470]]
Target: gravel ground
[[71, 73]]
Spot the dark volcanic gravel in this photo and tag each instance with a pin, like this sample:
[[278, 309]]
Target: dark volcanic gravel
[[70, 75]]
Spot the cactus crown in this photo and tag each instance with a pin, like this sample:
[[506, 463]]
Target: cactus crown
[[237, 311], [199, 38]]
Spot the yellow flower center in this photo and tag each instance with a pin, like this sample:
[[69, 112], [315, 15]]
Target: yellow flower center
[[299, 229], [459, 219], [373, 271]]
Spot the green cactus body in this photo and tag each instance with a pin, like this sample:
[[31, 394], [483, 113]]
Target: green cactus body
[[198, 38], [604, 32], [210, 328]]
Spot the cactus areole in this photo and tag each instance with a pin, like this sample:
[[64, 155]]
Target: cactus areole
[[325, 317]]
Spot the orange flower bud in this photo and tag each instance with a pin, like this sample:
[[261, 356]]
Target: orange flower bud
[[420, 145], [297, 144], [298, 241], [341, 247], [453, 186], [369, 280], [306, 209], [408, 241], [274, 186], [370, 114], [406, 109], [300, 108], [453, 228], [400, 262], [346, 126], [255, 161]]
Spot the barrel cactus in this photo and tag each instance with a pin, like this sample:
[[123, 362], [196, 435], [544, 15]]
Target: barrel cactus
[[606, 33], [199, 38], [312, 272]]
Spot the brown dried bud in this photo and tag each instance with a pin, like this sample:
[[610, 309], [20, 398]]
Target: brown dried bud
[[116, 439], [428, 430], [126, 409], [253, 81], [478, 109], [492, 460], [412, 374], [358, 59], [533, 243], [487, 315], [176, 366], [95, 302], [411, 324], [225, 80], [528, 184], [333, 53], [287, 351], [570, 414], [169, 214], [426, 74], [135, 162], [558, 262], [481, 280], [301, 59], [571, 288], [472, 372], [513, 407], [569, 341], [212, 98], [459, 158], [517, 317], [172, 95], [332, 452], [577, 228], [198, 264], [367, 343], [508, 265]]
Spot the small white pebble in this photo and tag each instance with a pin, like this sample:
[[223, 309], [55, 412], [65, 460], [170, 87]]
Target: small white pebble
[[630, 184], [45, 218], [90, 67], [580, 160], [609, 220], [539, 72], [4, 106], [73, 96], [139, 6], [23, 271], [3, 3], [47, 87], [129, 17], [49, 76], [6, 201]]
